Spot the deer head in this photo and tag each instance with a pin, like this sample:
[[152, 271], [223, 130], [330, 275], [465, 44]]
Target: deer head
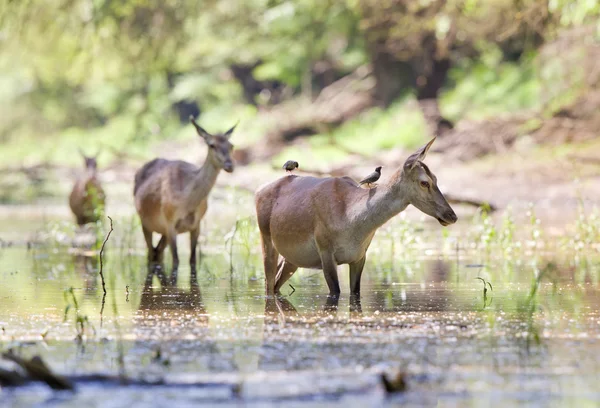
[[219, 146], [420, 187], [91, 163]]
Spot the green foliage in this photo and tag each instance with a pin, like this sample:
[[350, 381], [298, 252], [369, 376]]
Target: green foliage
[[575, 12], [489, 87], [400, 125]]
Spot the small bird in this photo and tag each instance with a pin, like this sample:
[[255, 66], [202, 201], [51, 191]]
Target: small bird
[[371, 178], [290, 165]]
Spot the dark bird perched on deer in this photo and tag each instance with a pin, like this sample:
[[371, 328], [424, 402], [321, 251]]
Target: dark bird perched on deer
[[87, 198], [371, 178], [171, 196], [290, 165]]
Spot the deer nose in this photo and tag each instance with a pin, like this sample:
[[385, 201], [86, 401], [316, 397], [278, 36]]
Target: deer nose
[[228, 166], [451, 216]]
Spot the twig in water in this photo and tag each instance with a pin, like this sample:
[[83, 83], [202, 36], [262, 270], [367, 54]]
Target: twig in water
[[102, 308], [293, 289], [394, 384], [102, 253]]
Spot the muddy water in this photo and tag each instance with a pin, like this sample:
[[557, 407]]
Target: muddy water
[[533, 338]]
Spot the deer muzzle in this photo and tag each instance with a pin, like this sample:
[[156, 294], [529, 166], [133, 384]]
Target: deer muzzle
[[449, 217], [228, 166]]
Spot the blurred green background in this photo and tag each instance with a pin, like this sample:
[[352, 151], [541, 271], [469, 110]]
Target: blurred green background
[[122, 74]]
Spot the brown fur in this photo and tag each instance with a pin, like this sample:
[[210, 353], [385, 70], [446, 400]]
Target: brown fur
[[87, 198], [324, 222], [171, 195]]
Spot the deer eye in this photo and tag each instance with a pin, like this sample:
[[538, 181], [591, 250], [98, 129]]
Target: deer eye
[[425, 184]]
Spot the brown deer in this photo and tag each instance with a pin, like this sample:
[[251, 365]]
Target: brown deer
[[87, 198], [320, 223], [171, 195]]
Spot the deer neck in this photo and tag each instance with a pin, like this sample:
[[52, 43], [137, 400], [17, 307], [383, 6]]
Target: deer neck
[[203, 181], [374, 207]]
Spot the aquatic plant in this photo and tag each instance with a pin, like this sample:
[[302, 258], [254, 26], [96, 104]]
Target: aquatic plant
[[83, 325], [486, 284]]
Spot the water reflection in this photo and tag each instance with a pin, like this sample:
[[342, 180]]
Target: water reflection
[[279, 306], [169, 302], [86, 267], [170, 297]]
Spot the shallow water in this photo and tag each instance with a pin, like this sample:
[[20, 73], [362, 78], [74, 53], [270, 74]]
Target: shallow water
[[532, 339]]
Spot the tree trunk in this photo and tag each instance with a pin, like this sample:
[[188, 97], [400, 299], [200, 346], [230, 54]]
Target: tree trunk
[[392, 77], [428, 89]]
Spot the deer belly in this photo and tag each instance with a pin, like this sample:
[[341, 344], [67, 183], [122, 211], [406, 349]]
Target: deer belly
[[187, 223], [348, 255], [348, 250], [303, 254]]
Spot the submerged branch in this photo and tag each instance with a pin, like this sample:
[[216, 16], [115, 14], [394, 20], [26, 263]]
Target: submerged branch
[[37, 369]]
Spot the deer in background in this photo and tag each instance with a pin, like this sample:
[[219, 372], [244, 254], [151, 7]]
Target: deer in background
[[320, 223], [87, 198], [171, 196]]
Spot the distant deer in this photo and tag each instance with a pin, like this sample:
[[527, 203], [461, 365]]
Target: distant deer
[[320, 223], [87, 198], [171, 195]]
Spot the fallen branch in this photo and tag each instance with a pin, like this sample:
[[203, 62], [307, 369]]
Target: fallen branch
[[584, 159], [472, 202], [38, 370], [16, 379], [337, 103]]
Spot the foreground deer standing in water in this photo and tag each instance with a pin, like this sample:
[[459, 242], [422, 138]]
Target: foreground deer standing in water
[[87, 198], [324, 222], [171, 195]]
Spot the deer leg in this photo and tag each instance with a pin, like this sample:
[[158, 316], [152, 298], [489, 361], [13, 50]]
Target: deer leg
[[330, 271], [172, 240], [148, 239], [160, 249], [194, 234], [356, 269], [270, 256], [285, 272]]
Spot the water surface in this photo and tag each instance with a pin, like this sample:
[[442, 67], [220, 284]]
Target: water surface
[[533, 338]]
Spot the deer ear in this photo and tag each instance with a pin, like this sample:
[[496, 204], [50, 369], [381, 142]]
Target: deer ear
[[203, 133], [228, 134], [418, 156]]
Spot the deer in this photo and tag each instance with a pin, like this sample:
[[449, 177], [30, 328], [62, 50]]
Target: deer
[[171, 195], [87, 198], [320, 223]]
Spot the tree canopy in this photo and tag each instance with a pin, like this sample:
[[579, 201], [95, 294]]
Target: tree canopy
[[80, 63]]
